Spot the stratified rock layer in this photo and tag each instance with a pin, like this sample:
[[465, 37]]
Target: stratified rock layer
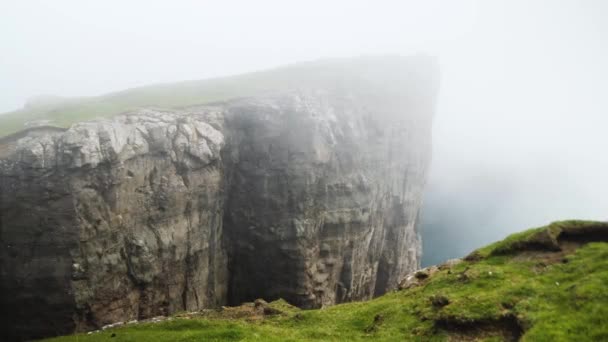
[[309, 195]]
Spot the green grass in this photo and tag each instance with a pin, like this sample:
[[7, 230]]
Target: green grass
[[366, 72], [543, 236], [559, 301]]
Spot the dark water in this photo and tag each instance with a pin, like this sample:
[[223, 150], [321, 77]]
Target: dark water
[[459, 219]]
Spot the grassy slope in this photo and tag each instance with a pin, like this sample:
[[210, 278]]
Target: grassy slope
[[509, 281], [335, 72], [166, 95]]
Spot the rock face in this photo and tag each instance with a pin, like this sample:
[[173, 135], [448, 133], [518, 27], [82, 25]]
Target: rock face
[[322, 200], [309, 195]]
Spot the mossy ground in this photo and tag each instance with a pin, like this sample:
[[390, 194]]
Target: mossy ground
[[504, 294]]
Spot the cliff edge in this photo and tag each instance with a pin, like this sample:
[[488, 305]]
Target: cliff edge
[[308, 193]]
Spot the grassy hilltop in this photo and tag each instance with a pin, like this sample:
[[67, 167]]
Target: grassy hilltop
[[405, 75], [544, 284]]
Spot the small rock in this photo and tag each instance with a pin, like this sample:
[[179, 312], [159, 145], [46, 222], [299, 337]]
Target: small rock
[[416, 278], [260, 303], [422, 274], [269, 311], [117, 324]]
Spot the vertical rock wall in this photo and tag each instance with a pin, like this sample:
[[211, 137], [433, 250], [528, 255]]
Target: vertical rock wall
[[323, 198], [111, 221], [309, 195]]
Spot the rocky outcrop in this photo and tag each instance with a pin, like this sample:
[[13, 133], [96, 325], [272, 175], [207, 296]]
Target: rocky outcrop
[[112, 220], [309, 195], [323, 199]]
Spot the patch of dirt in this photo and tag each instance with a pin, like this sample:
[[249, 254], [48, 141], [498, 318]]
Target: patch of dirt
[[582, 235], [547, 250], [543, 241], [506, 328], [567, 242], [255, 311], [542, 258], [473, 257]]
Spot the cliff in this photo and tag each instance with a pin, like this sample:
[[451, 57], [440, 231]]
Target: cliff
[[309, 194], [545, 284]]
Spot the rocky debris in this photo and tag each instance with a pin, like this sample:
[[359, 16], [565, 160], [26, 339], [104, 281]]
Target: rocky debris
[[113, 325], [256, 310], [156, 319], [262, 306], [418, 277], [422, 274], [463, 276], [260, 303], [312, 196]]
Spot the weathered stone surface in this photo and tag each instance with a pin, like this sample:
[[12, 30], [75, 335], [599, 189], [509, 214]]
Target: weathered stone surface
[[112, 221], [311, 196], [323, 199]]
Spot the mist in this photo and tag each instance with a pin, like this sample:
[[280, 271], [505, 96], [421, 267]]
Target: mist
[[519, 135]]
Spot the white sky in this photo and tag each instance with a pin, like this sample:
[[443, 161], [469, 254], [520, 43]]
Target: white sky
[[523, 82]]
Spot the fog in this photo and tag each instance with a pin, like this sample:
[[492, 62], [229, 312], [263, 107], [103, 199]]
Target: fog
[[519, 137]]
